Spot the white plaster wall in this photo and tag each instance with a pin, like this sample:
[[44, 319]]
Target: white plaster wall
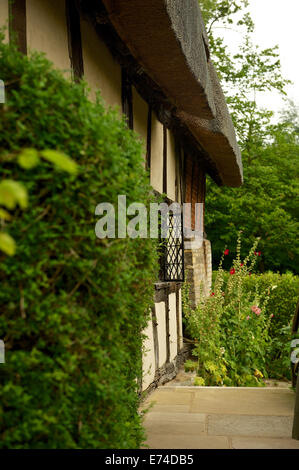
[[140, 113], [181, 341], [101, 71], [148, 360], [157, 155], [172, 326], [171, 167], [4, 17], [160, 314], [47, 31]]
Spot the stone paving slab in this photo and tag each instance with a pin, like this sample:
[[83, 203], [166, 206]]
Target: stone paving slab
[[160, 408], [246, 425], [266, 401], [263, 443], [174, 417], [172, 441], [220, 418], [174, 397], [174, 428]]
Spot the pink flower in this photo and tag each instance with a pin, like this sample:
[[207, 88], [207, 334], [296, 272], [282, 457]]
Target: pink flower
[[247, 318], [272, 315], [226, 252], [232, 271], [255, 309]]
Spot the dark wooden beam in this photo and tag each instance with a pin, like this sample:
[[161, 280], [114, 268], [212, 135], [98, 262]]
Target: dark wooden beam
[[164, 159], [163, 289], [180, 170], [178, 322], [149, 139], [17, 24], [191, 200], [167, 319], [127, 98], [184, 172], [74, 39]]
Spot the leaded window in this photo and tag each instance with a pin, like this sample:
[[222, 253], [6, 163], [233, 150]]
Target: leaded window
[[172, 258]]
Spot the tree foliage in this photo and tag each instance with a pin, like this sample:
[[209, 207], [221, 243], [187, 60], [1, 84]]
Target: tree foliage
[[264, 206]]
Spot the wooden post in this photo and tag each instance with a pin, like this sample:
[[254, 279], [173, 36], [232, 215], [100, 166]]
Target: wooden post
[[17, 24], [149, 139], [164, 159], [74, 39], [295, 433]]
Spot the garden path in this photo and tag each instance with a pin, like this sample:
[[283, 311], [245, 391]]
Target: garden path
[[187, 417]]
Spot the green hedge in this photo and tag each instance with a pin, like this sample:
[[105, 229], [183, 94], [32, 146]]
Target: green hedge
[[72, 306]]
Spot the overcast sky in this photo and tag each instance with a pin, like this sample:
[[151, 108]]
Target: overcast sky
[[277, 22]]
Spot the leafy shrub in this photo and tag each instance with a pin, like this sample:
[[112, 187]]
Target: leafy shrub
[[190, 366], [13, 193], [72, 306], [281, 305], [283, 299], [230, 328]]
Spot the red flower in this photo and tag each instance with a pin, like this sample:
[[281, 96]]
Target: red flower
[[255, 253], [226, 252], [213, 293], [259, 253], [242, 264], [232, 271]]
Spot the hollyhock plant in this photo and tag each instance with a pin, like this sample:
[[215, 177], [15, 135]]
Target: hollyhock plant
[[236, 321], [255, 309]]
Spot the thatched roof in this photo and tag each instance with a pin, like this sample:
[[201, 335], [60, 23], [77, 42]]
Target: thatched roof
[[168, 39]]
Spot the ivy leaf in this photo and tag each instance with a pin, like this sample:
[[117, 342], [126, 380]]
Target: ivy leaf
[[28, 158], [7, 244], [13, 193], [59, 159]]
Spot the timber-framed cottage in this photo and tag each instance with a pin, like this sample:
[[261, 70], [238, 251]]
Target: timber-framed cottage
[[151, 59]]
